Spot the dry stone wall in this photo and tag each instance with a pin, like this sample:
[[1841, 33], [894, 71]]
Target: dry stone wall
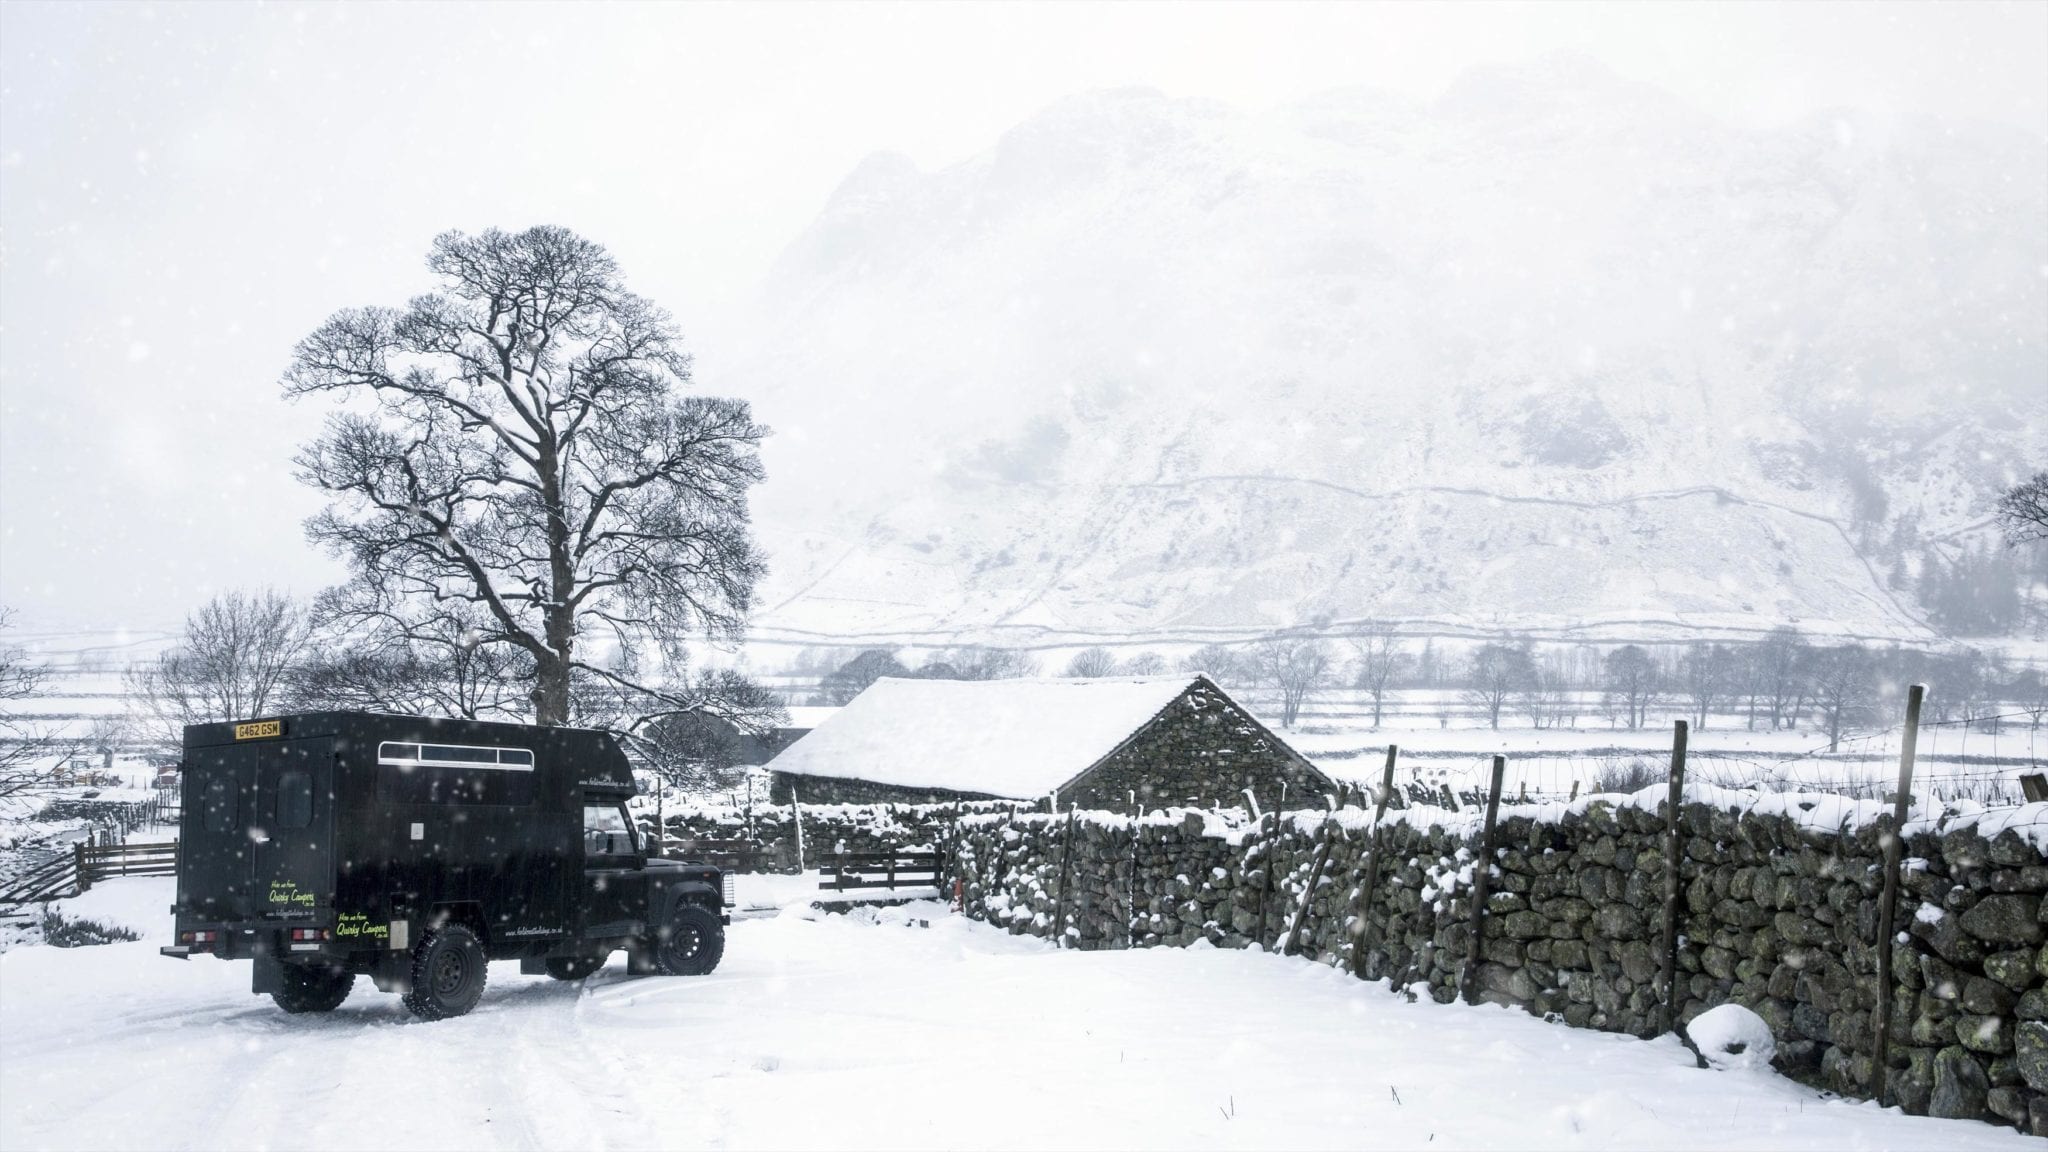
[[1778, 911], [826, 828]]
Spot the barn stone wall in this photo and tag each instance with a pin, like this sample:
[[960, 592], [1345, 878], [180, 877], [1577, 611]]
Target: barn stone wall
[[1776, 914], [1201, 750]]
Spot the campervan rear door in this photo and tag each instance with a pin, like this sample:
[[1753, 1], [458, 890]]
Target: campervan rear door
[[258, 835], [293, 835], [213, 858]]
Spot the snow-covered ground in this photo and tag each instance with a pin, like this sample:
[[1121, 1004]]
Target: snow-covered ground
[[903, 1028]]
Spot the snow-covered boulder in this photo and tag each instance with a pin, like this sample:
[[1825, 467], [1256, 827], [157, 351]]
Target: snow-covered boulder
[[1731, 1037]]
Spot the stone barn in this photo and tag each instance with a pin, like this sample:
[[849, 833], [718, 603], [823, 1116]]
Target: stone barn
[[1173, 740]]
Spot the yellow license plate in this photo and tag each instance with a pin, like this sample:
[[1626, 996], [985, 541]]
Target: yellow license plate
[[259, 730]]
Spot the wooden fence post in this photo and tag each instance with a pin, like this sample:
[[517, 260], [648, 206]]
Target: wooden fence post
[[1482, 871], [1131, 888], [796, 819], [1667, 1015], [1893, 841], [1315, 877], [1372, 871], [80, 867], [1059, 908], [1266, 888]]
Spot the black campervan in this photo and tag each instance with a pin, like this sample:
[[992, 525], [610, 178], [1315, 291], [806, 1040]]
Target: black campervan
[[412, 850]]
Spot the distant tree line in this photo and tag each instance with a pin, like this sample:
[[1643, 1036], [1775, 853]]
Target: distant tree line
[[1785, 680], [263, 653], [840, 684]]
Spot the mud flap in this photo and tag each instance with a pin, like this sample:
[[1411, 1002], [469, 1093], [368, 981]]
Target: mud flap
[[393, 972], [267, 976]]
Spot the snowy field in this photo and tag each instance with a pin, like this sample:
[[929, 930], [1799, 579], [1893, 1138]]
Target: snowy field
[[863, 1031]]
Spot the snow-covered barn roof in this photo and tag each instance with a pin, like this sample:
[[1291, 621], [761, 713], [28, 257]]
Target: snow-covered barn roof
[[1012, 738]]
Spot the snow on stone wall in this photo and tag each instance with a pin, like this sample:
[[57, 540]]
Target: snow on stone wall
[[826, 828], [1778, 913]]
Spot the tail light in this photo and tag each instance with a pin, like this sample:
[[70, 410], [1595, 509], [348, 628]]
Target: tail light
[[309, 934], [725, 889], [201, 936]]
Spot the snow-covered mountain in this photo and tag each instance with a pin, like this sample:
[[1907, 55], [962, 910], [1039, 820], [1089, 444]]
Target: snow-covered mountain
[[1555, 351]]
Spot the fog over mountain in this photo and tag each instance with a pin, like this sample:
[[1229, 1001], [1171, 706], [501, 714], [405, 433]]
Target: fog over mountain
[[1555, 351]]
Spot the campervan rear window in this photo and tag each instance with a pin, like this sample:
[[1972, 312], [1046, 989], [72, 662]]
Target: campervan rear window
[[294, 800], [453, 774], [220, 805]]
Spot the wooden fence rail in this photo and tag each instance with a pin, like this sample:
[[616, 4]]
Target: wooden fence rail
[[841, 871], [724, 855], [87, 864]]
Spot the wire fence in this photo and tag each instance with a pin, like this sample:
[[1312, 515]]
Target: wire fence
[[1965, 763]]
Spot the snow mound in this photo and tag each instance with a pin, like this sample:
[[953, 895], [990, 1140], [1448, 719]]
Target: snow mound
[[1732, 1037]]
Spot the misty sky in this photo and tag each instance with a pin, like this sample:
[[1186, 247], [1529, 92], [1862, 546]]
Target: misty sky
[[187, 190]]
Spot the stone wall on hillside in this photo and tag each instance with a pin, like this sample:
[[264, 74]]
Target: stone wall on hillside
[[1778, 912]]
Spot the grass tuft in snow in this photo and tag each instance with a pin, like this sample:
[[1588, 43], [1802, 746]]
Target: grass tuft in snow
[[62, 931]]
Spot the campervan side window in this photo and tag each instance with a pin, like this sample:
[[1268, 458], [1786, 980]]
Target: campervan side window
[[453, 774]]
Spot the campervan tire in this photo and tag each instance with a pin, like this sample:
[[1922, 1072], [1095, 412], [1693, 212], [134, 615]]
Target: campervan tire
[[448, 971], [691, 943]]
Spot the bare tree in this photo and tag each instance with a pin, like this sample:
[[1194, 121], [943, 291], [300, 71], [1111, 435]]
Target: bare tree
[[1092, 663], [692, 752], [516, 446], [1776, 680], [28, 754], [1295, 666], [852, 678], [1380, 657], [1631, 681], [400, 671], [1842, 685], [1226, 666], [977, 663], [1496, 673], [688, 734], [2030, 690], [1546, 697], [1145, 664], [106, 735], [2023, 510], [1707, 674], [234, 662]]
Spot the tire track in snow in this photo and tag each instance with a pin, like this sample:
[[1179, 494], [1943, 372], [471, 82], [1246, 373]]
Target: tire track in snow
[[590, 1099]]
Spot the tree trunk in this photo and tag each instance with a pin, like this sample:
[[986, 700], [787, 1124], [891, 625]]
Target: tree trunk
[[551, 691]]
